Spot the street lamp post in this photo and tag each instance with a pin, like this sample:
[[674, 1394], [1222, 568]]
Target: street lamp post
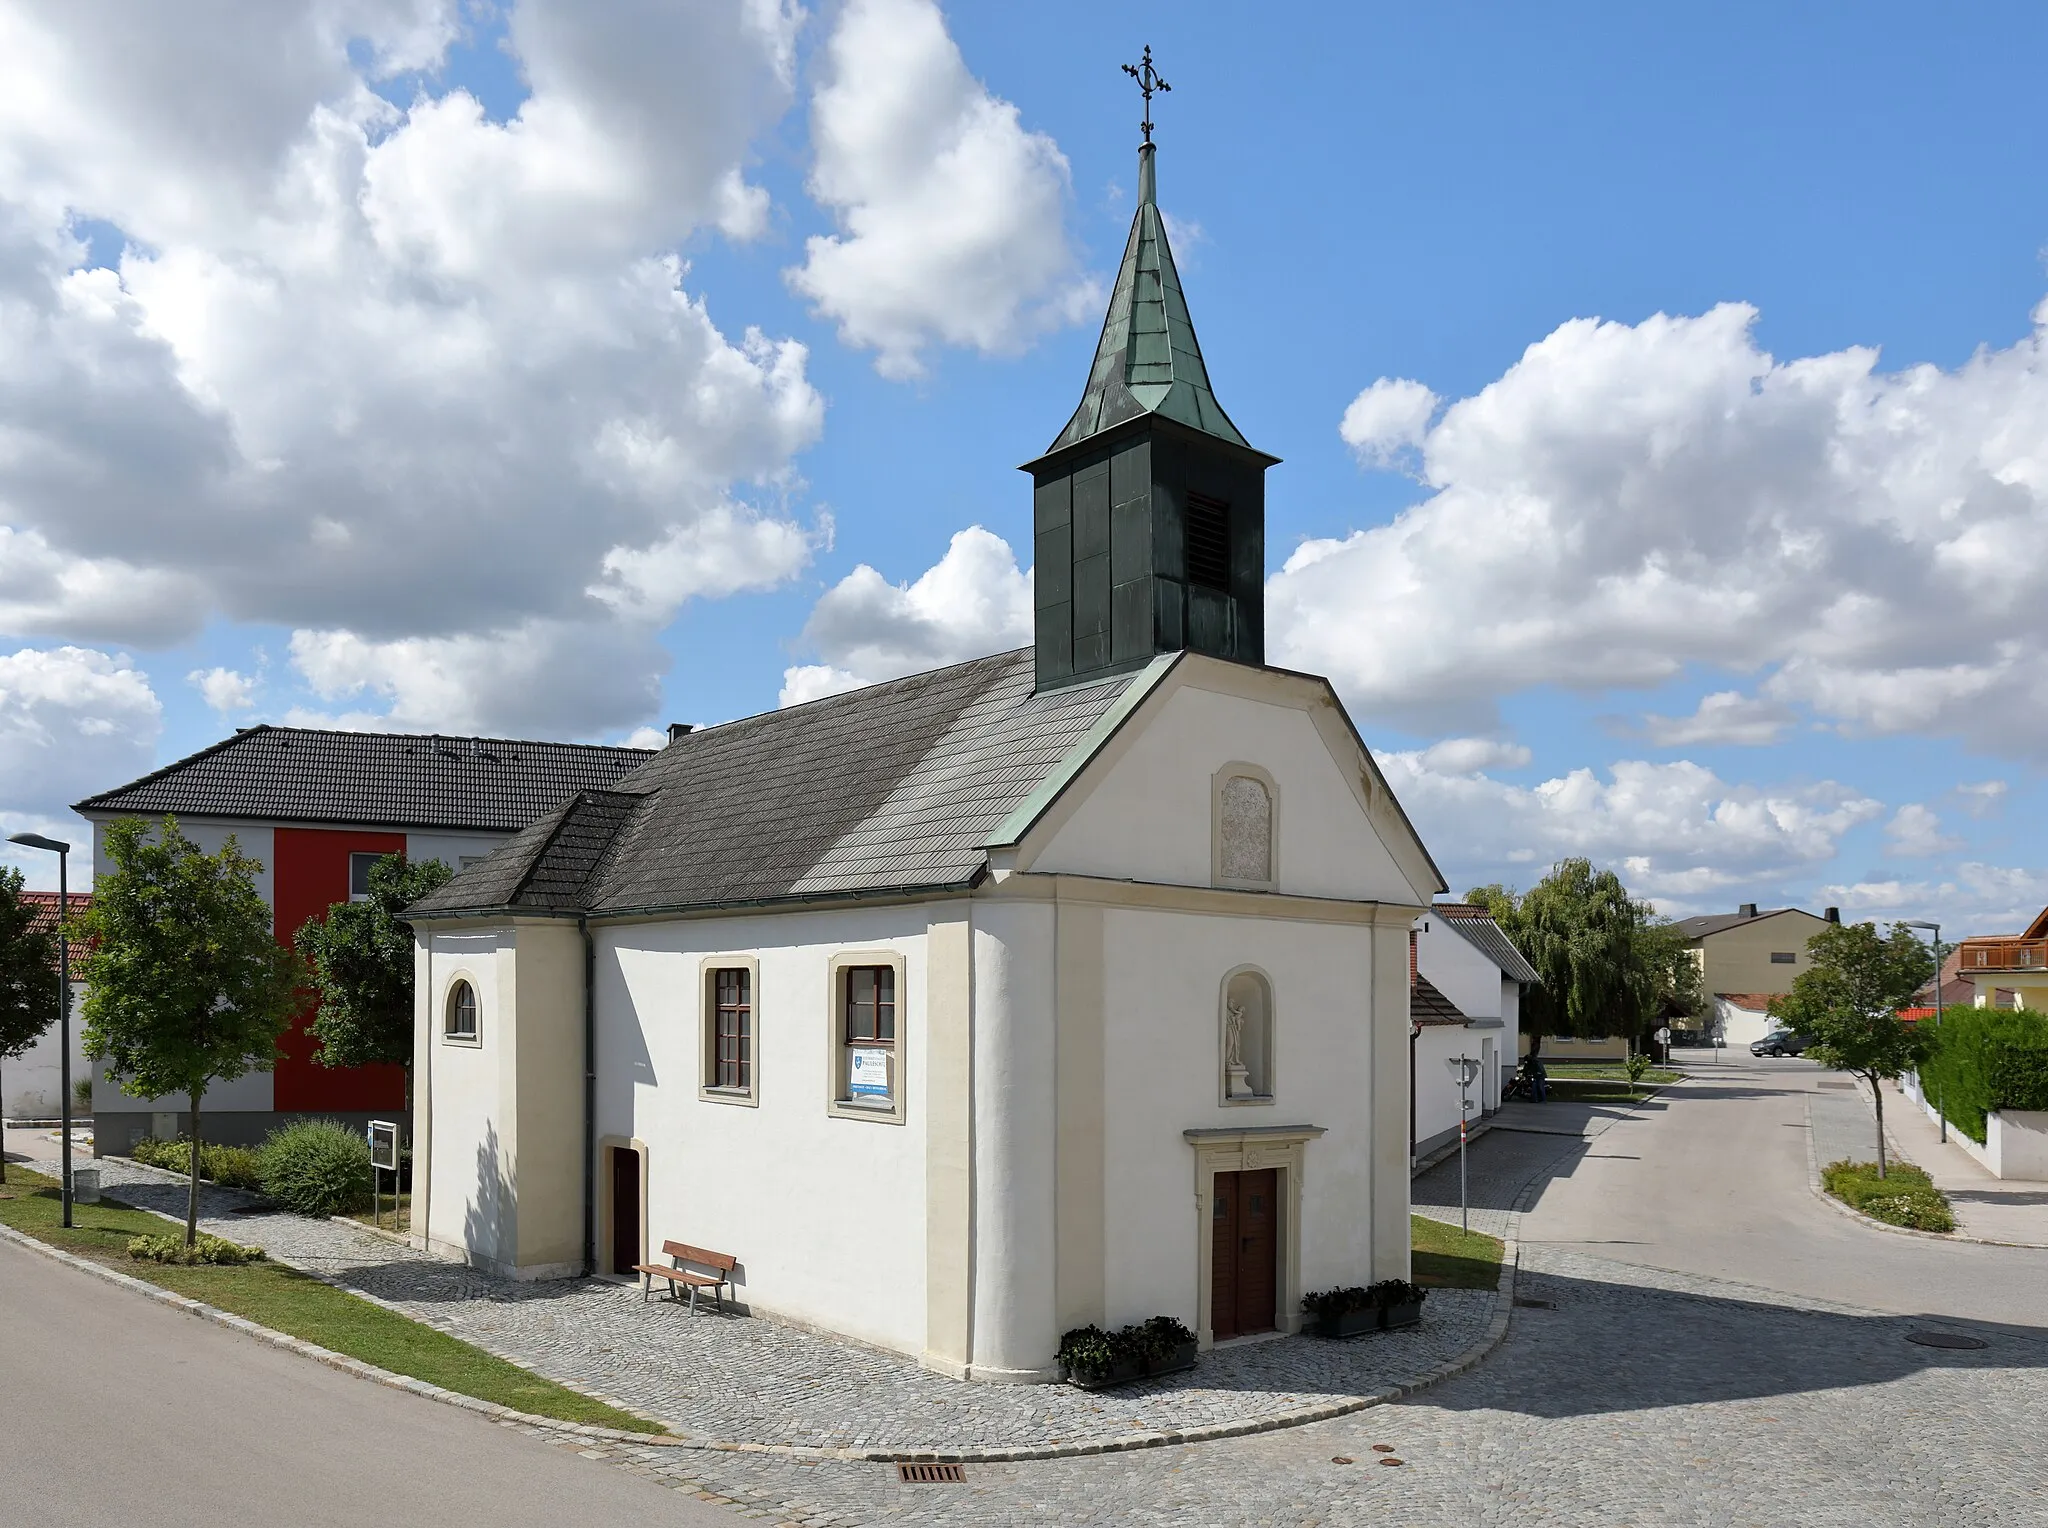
[[63, 853], [1935, 928]]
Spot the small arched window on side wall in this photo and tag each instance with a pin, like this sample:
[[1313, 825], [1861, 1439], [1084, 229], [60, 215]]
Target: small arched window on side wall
[[458, 1022], [1247, 1050], [1242, 828]]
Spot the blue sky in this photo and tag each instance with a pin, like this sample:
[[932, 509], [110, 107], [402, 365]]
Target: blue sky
[[1357, 193]]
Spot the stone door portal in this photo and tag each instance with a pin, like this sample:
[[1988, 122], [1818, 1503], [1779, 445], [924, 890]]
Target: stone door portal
[[1245, 1216]]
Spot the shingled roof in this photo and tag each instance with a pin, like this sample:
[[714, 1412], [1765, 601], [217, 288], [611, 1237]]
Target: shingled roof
[[1478, 928], [1428, 1006], [895, 787], [375, 779]]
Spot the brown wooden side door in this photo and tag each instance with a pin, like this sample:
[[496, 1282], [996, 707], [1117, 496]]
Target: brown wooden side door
[[1244, 1242], [626, 1242]]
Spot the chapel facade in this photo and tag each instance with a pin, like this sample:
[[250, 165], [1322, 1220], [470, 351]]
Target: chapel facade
[[1063, 986]]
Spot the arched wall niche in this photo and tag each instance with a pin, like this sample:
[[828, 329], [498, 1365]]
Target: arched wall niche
[[1247, 1054]]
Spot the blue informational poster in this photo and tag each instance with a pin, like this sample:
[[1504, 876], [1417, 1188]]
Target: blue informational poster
[[867, 1074]]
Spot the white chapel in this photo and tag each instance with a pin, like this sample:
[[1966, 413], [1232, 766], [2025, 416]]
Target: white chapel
[[1064, 986]]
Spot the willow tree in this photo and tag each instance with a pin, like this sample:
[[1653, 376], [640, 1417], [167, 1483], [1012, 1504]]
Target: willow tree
[[186, 986]]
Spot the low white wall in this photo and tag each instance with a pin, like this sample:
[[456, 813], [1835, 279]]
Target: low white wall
[[1436, 1083], [1741, 1026], [2017, 1142], [32, 1084]]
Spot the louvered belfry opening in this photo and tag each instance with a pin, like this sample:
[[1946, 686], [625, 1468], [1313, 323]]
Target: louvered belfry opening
[[1208, 542], [1149, 509]]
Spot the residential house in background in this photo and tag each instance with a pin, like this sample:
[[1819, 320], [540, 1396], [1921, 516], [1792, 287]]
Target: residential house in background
[[32, 1084], [316, 809], [1467, 1003], [2008, 970], [1748, 957]]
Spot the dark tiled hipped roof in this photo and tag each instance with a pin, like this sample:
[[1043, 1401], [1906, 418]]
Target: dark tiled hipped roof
[[1714, 923], [376, 779], [1477, 926], [895, 787]]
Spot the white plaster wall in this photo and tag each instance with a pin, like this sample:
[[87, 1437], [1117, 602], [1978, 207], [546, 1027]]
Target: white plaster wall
[[1148, 819], [1457, 968], [1510, 1053], [1015, 1244], [1162, 975], [1436, 1085], [826, 1215], [1739, 1026], [32, 1084], [451, 848], [469, 1204], [252, 1090]]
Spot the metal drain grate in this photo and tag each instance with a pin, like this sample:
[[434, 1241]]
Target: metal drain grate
[[1834, 1082], [1524, 1302], [929, 1474]]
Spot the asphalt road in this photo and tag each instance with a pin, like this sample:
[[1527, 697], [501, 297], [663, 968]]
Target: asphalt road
[[1712, 1179], [114, 1409]]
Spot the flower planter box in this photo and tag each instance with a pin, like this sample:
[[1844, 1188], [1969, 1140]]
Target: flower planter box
[[1182, 1357], [1392, 1316], [1103, 1379], [1350, 1323]]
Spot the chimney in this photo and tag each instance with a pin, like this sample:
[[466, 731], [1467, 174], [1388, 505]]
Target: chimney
[[1746, 910], [679, 730], [1832, 914]]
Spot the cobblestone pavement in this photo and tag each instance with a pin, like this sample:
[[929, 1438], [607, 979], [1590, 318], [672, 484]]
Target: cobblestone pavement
[[735, 1380]]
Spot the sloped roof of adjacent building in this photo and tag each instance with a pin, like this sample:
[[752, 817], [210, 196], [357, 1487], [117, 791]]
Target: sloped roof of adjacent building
[[895, 787], [42, 906], [376, 779], [1715, 923], [1478, 928], [1428, 1005]]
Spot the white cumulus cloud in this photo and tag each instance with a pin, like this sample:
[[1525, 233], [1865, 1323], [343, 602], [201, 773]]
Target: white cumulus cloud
[[1726, 716], [1387, 418], [1914, 832], [1631, 499], [1472, 755], [224, 689], [971, 602], [952, 214], [414, 381]]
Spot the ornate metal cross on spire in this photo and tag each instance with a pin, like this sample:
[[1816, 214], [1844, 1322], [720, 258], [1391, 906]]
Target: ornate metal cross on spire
[[1148, 81]]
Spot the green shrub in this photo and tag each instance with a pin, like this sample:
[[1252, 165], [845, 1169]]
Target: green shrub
[[1985, 1059], [1090, 1351], [207, 1249], [229, 1166], [317, 1167], [1905, 1196]]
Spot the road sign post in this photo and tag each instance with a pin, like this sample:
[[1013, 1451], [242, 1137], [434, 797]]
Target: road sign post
[[1467, 1069], [383, 1159]]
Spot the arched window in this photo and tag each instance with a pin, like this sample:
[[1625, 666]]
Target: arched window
[[459, 1020], [1247, 1038], [1244, 829]]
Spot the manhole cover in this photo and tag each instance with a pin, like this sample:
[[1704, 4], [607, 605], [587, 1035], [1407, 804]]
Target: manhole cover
[[1946, 1340], [1522, 1302], [928, 1474], [1835, 1082]]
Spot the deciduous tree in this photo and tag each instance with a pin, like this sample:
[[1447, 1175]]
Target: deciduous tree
[[28, 975], [361, 955], [1847, 1004], [186, 985]]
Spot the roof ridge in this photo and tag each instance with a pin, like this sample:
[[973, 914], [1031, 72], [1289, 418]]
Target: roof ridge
[[456, 737], [864, 689]]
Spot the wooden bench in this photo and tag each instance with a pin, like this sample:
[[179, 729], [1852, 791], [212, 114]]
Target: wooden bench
[[681, 1276]]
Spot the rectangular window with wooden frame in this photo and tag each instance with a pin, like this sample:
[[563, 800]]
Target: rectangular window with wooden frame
[[731, 995], [868, 1033]]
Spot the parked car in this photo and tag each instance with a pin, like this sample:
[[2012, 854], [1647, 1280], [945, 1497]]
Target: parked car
[[1779, 1042]]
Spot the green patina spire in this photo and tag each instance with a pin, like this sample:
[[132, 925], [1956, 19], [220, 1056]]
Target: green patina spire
[[1148, 360]]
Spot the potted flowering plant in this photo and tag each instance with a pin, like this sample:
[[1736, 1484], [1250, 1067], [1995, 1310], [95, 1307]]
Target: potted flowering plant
[[1398, 1302], [1169, 1346], [1342, 1312], [1094, 1359]]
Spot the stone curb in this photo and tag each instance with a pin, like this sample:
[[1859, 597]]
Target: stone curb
[[1813, 1184], [1496, 1330]]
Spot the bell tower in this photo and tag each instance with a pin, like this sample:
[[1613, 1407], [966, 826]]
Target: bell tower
[[1149, 510]]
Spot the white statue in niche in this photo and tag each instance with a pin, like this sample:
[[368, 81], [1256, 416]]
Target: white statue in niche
[[1237, 1081], [1245, 822]]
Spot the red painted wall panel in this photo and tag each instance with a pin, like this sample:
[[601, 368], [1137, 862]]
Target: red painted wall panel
[[308, 875]]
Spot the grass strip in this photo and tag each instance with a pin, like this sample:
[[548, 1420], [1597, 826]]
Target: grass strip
[[1445, 1257], [1904, 1196], [1592, 1071], [287, 1301]]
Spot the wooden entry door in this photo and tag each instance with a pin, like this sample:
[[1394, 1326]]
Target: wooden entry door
[[626, 1242], [1243, 1281]]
